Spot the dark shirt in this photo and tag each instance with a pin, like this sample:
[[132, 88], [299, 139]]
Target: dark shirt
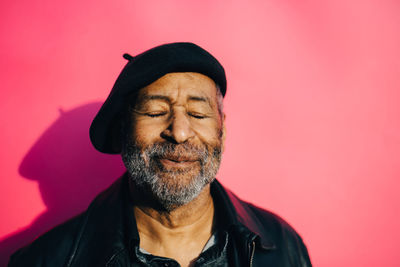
[[213, 254]]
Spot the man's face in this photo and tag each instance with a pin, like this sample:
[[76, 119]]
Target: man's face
[[173, 147]]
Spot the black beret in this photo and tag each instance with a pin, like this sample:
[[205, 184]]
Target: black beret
[[141, 71]]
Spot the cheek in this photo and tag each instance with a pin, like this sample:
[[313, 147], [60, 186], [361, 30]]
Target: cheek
[[145, 132], [209, 133]]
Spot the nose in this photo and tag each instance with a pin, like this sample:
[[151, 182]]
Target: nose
[[179, 129]]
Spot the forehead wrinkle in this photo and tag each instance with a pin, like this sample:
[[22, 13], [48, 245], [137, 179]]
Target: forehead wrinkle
[[170, 101], [172, 88]]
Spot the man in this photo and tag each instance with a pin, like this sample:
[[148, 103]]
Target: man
[[164, 115]]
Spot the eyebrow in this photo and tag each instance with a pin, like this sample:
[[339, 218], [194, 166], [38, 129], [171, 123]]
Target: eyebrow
[[156, 97], [167, 99], [200, 99]]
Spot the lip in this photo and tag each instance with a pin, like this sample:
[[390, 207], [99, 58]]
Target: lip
[[177, 163]]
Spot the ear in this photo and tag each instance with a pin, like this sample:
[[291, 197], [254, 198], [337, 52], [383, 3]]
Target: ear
[[223, 132]]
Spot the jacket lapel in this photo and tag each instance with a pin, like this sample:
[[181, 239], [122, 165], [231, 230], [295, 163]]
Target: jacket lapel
[[240, 214], [102, 234]]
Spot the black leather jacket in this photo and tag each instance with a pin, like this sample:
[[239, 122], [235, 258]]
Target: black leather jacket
[[98, 236]]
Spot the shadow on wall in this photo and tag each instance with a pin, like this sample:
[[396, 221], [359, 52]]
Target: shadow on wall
[[69, 171]]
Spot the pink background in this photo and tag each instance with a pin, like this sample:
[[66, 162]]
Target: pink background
[[313, 112]]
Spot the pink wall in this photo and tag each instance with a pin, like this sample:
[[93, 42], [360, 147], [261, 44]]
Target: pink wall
[[313, 111]]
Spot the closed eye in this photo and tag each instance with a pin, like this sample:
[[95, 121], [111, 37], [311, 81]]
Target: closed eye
[[197, 115], [156, 114]]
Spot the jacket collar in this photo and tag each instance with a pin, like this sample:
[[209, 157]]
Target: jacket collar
[[110, 217], [102, 235], [240, 216]]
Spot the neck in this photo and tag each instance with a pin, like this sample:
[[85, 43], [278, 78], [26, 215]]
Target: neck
[[182, 231], [198, 213]]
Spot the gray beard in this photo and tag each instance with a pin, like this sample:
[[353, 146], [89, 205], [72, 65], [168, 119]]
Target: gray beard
[[170, 188]]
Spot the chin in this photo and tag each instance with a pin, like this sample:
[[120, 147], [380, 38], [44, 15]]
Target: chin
[[176, 190]]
